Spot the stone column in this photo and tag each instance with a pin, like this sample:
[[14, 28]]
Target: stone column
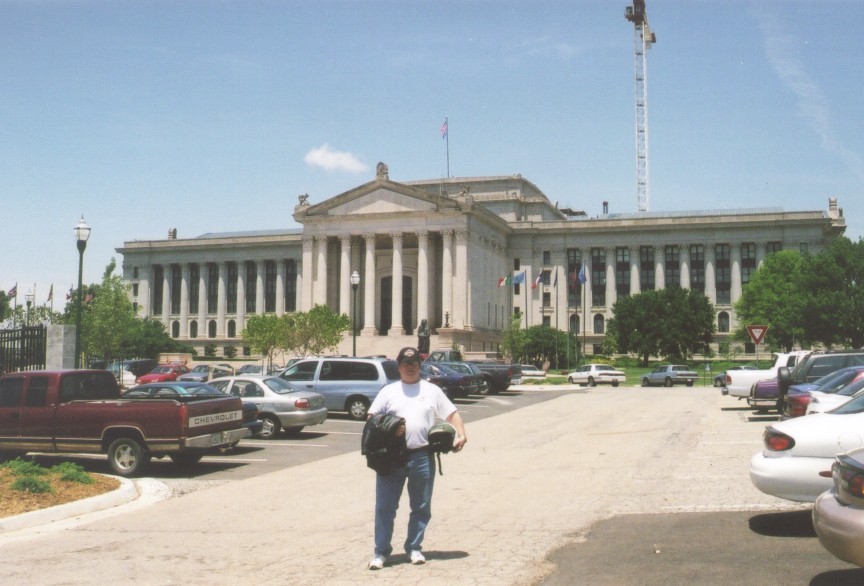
[[659, 267], [184, 300], [611, 291], [710, 273], [369, 279], [281, 276], [735, 270], [397, 328], [447, 276], [461, 293], [587, 286], [202, 300], [423, 277], [345, 274], [145, 290], [635, 272], [684, 258], [241, 296], [259, 287], [166, 297], [760, 254], [221, 299], [321, 272], [306, 275]]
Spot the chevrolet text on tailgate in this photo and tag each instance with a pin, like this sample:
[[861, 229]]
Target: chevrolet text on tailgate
[[68, 411]]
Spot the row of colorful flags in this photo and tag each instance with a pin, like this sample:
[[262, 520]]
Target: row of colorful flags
[[13, 293], [543, 277]]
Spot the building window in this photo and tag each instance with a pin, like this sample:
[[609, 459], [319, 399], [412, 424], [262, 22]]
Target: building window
[[547, 258], [547, 299], [290, 285], [251, 286], [212, 288], [194, 283], [516, 264], [175, 329], [748, 262], [269, 286], [723, 322], [175, 289], [547, 321], [211, 329], [646, 268], [231, 288], [772, 247], [672, 266], [574, 323], [697, 267], [723, 273], [598, 277], [158, 284], [574, 287], [804, 248], [622, 271], [134, 272], [232, 328], [599, 324], [193, 329], [134, 289]]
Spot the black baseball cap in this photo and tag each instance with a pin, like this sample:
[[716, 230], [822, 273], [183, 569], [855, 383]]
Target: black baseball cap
[[408, 354]]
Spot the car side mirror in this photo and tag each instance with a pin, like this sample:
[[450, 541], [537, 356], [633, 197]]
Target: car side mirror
[[784, 379]]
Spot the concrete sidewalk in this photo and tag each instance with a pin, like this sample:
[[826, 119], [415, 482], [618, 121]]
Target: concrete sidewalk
[[527, 482]]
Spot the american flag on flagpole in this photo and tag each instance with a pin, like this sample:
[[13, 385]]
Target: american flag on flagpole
[[13, 292], [50, 294], [444, 129]]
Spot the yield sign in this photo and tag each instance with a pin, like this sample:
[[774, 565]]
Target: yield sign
[[757, 333]]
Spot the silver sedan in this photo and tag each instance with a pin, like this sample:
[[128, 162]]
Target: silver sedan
[[838, 515], [281, 405]]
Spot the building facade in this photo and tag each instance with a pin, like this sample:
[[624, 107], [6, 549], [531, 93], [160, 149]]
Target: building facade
[[463, 253]]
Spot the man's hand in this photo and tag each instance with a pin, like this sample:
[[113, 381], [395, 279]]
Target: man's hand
[[459, 442]]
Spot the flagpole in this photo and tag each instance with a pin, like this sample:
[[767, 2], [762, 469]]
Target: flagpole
[[447, 140]]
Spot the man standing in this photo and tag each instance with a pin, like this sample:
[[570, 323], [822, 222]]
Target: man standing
[[420, 403]]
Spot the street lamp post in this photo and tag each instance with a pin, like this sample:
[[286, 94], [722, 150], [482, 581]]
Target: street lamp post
[[82, 233], [29, 298], [355, 281]]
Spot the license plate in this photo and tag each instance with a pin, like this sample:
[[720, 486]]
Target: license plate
[[216, 438]]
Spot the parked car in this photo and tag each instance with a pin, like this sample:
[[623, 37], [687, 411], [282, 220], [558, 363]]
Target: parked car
[[797, 400], [720, 379], [348, 384], [829, 397], [797, 450], [205, 372], [597, 374], [188, 390], [456, 379], [280, 404], [838, 515], [815, 366], [531, 371], [670, 374], [162, 373], [127, 371], [498, 376]]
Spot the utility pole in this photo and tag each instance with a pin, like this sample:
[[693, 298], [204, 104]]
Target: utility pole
[[644, 38]]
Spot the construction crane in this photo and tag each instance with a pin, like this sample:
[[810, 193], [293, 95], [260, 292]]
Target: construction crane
[[644, 39]]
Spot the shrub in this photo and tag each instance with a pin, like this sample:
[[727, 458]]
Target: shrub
[[70, 472], [21, 467], [31, 484]]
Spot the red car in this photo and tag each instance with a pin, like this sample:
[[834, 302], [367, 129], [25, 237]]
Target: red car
[[163, 373]]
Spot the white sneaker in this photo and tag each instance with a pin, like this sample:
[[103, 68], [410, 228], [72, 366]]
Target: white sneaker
[[377, 563], [417, 557]]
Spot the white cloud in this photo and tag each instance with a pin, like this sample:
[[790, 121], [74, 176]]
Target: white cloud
[[331, 160]]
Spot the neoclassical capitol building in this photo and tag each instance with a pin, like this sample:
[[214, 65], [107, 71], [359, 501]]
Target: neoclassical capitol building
[[463, 253]]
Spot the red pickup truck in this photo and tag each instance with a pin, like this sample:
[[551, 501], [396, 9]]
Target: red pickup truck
[[69, 411]]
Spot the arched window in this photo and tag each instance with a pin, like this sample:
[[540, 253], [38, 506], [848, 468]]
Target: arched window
[[723, 322], [574, 323], [193, 329], [599, 324], [232, 328], [211, 329], [175, 329]]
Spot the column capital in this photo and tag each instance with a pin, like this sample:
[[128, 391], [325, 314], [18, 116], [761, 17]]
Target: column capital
[[369, 238], [396, 236]]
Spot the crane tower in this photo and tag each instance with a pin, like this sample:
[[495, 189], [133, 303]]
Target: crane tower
[[644, 38]]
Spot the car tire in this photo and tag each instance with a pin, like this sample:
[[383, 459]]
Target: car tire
[[185, 459], [570, 379], [126, 457], [271, 428], [357, 408], [591, 382], [645, 382], [615, 384], [717, 383], [667, 382], [689, 383]]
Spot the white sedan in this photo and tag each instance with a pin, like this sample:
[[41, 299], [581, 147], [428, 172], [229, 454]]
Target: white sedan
[[597, 374], [531, 371], [821, 401], [797, 450]]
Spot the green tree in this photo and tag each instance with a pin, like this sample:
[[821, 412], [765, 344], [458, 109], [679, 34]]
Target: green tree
[[832, 289], [313, 332], [542, 343], [671, 322], [5, 310], [773, 297], [266, 334], [109, 317], [514, 339]]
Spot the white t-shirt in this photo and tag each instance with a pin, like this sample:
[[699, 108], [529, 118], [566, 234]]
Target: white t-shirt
[[421, 404]]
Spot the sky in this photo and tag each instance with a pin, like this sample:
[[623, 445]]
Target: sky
[[213, 116]]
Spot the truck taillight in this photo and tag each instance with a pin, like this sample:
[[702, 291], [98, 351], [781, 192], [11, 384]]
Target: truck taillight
[[302, 403], [183, 411]]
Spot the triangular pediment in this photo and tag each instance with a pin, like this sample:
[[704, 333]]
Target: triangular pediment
[[382, 201]]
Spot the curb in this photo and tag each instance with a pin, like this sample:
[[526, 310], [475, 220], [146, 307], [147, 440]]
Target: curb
[[127, 492]]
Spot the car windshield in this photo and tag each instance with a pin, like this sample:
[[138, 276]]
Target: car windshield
[[279, 385], [201, 368], [603, 367], [851, 388], [459, 367], [160, 370], [852, 406], [833, 382]]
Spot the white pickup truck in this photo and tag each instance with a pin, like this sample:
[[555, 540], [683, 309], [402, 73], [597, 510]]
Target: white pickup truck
[[739, 382]]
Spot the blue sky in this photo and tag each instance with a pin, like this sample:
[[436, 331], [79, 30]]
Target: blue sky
[[215, 115]]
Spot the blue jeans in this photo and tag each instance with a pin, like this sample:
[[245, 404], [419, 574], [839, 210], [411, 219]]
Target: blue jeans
[[420, 472]]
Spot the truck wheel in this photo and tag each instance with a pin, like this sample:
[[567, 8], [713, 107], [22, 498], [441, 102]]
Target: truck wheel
[[667, 382], [358, 408], [271, 427], [591, 382], [644, 382], [127, 457], [689, 383], [615, 384], [185, 459], [718, 383]]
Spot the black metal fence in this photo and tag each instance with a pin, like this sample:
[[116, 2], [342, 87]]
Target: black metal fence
[[23, 348]]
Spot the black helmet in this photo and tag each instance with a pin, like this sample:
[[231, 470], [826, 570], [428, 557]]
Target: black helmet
[[441, 437]]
